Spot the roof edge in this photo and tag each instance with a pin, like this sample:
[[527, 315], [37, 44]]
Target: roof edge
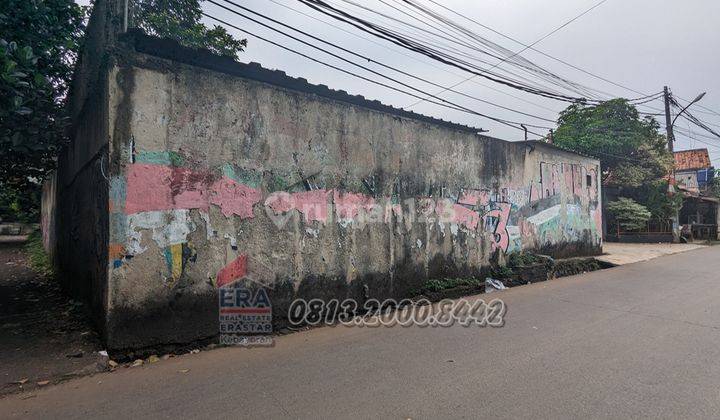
[[172, 50]]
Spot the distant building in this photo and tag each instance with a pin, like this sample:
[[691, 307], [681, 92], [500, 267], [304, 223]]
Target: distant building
[[694, 174]]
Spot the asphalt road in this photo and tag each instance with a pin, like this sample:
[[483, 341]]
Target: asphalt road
[[636, 341]]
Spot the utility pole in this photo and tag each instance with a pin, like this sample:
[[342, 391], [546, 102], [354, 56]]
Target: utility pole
[[668, 121], [671, 146]]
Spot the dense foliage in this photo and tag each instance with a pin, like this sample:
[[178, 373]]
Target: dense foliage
[[715, 185], [39, 41], [633, 154], [631, 150], [39, 45], [181, 20], [630, 215]]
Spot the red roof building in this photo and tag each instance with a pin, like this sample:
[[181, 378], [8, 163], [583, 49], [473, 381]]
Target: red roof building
[[690, 160]]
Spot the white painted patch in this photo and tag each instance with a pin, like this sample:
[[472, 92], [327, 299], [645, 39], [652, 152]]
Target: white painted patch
[[169, 227], [442, 228], [513, 231], [545, 215], [345, 223], [419, 243], [519, 198], [454, 229], [313, 232], [553, 212], [233, 241], [573, 209], [208, 227]]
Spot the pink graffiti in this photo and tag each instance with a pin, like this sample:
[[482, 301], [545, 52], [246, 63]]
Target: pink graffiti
[[474, 197], [312, 204], [535, 194], [578, 180], [469, 197], [500, 233], [233, 271], [159, 187], [593, 187], [465, 216], [234, 198], [393, 209], [597, 218], [348, 205], [574, 180], [567, 171], [280, 202]]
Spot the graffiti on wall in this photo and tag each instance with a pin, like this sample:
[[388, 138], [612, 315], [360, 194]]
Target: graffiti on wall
[[156, 198]]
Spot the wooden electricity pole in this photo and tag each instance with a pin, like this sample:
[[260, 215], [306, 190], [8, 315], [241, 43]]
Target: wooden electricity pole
[[668, 121]]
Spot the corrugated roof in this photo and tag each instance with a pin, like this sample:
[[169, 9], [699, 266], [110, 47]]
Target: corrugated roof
[[687, 160]]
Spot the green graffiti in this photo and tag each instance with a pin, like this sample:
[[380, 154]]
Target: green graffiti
[[243, 176], [160, 158]]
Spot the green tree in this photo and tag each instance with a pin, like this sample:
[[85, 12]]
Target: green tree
[[39, 41], [39, 45], [654, 195], [631, 150], [630, 215], [633, 155], [181, 20], [715, 185]]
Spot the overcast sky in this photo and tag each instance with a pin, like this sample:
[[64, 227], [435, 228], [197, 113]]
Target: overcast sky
[[641, 44]]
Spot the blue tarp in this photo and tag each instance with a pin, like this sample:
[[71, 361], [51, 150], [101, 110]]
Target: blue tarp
[[705, 176]]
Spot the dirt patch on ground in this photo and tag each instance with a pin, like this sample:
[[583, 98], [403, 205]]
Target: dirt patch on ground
[[45, 337]]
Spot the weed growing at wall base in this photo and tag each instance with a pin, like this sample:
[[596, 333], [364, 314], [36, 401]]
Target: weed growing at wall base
[[38, 258]]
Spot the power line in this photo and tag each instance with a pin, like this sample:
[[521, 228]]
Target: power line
[[365, 58], [658, 111], [709, 111], [451, 50], [531, 45], [687, 115], [510, 56], [714, 125], [540, 52], [508, 123], [398, 51], [404, 42]]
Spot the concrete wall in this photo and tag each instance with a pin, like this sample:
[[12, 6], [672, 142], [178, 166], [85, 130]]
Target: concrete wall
[[212, 176], [81, 183]]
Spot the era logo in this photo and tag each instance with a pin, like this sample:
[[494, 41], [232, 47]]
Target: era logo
[[238, 297]]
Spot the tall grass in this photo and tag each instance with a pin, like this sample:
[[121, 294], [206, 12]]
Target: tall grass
[[37, 257]]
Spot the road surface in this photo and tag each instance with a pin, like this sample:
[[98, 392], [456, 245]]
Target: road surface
[[640, 340]]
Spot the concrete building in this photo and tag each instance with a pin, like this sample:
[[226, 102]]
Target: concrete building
[[694, 176], [189, 171]]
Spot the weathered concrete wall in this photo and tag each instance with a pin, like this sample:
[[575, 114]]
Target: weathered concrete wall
[[81, 184], [214, 177]]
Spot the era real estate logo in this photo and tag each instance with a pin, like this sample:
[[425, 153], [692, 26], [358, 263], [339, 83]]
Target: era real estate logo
[[245, 316]]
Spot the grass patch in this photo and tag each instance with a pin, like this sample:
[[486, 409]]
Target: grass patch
[[37, 257], [516, 262], [437, 285], [521, 259], [502, 272]]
